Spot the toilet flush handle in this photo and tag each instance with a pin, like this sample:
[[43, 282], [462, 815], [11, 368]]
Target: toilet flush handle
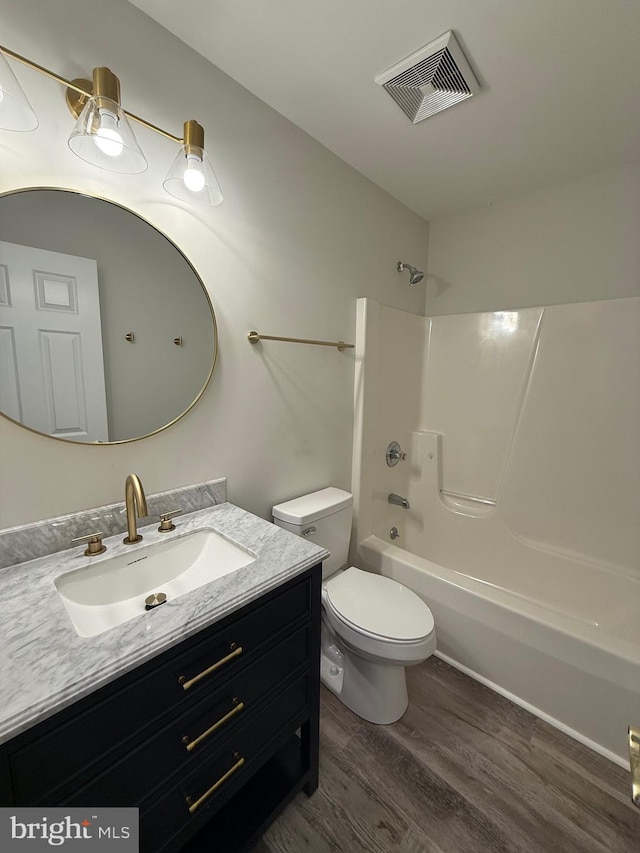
[[309, 530]]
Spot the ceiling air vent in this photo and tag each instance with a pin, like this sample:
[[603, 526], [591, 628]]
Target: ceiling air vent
[[431, 79]]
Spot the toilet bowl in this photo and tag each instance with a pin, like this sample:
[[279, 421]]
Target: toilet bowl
[[372, 626]]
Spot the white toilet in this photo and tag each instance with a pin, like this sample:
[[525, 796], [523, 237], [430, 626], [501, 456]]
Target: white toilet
[[372, 626]]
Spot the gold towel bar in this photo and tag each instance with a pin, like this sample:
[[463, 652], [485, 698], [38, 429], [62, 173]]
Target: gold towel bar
[[254, 337]]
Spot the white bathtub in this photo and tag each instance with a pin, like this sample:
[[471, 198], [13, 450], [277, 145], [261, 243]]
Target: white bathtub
[[574, 674]]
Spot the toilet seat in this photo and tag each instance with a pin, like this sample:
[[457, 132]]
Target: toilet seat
[[342, 626], [378, 607]]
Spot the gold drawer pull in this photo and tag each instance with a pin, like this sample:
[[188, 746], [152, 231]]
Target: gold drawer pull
[[187, 684], [194, 805], [191, 744]]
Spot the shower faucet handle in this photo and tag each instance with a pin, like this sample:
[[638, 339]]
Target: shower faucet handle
[[394, 454]]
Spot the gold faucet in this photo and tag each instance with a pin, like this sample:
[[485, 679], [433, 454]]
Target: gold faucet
[[134, 500]]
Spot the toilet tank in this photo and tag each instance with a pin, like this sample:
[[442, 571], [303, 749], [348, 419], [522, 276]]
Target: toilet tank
[[323, 517]]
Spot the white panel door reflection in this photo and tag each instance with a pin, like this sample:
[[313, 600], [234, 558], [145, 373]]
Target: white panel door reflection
[[51, 360]]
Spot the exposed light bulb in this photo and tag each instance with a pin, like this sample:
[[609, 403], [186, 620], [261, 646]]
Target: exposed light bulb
[[107, 136], [193, 175]]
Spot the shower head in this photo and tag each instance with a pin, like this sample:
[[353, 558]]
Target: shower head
[[415, 275]]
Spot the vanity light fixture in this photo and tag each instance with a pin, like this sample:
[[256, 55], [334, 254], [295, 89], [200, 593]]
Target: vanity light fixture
[[191, 176], [102, 134]]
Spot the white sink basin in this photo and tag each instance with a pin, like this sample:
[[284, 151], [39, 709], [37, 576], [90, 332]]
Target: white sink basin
[[100, 596]]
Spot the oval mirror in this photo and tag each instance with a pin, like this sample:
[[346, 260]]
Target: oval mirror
[[107, 333]]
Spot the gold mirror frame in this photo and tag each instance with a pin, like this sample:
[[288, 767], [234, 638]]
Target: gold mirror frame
[[198, 279]]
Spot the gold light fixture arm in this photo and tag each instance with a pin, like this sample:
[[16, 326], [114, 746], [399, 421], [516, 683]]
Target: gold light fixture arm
[[30, 64], [84, 89], [154, 127]]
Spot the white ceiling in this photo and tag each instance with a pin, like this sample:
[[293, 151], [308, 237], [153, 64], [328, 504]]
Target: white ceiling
[[560, 86]]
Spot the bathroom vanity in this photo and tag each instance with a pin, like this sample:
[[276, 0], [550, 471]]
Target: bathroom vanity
[[209, 732]]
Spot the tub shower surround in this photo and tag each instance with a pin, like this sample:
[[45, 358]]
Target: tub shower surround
[[524, 493], [30, 541]]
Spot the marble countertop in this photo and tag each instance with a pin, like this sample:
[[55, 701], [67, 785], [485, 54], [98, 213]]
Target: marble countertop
[[46, 666]]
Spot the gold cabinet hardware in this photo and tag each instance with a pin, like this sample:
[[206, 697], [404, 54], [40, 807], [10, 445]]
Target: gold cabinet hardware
[[191, 744], [165, 520], [194, 804], [130, 336], [634, 761], [94, 544], [187, 683]]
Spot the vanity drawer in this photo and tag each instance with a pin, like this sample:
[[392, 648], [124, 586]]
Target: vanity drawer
[[215, 779], [82, 745], [236, 645], [183, 742]]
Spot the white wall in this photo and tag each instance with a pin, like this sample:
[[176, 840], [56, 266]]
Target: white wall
[[573, 242], [298, 238]]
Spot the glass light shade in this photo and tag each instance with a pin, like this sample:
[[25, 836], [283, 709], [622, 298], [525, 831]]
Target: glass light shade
[[15, 110], [103, 137], [191, 177]]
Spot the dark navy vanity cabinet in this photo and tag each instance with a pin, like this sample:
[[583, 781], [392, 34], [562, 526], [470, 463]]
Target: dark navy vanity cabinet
[[210, 739]]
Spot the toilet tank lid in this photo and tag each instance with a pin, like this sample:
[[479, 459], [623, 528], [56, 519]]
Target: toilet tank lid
[[308, 508]]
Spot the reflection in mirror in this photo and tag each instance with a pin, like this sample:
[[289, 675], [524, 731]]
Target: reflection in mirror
[[106, 331]]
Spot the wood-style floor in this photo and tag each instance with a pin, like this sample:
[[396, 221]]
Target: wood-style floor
[[463, 771]]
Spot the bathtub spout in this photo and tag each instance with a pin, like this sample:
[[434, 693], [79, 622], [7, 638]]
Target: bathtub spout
[[398, 501]]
